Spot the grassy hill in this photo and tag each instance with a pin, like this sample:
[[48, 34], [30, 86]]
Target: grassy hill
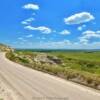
[[5, 48]]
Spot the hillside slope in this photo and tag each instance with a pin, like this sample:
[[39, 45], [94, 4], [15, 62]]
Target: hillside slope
[[5, 48]]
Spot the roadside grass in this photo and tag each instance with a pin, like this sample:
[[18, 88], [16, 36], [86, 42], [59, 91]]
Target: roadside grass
[[80, 67]]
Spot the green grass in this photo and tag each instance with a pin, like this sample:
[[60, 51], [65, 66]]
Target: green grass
[[79, 66], [84, 61], [82, 55]]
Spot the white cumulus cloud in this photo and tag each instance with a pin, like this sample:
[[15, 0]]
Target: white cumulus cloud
[[27, 21], [29, 36], [31, 6], [79, 18], [80, 28], [42, 29], [87, 35], [65, 32]]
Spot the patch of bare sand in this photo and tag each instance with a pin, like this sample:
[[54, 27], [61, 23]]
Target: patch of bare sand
[[6, 93]]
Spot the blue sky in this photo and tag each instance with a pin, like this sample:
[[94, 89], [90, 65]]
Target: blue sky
[[50, 24]]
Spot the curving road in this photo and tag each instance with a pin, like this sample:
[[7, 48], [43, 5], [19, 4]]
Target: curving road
[[30, 84]]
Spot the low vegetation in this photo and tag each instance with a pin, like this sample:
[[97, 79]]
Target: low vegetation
[[79, 66], [5, 48]]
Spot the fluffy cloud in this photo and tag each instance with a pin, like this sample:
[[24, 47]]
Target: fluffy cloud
[[31, 6], [42, 29], [83, 40], [22, 39], [80, 28], [98, 32], [79, 18], [29, 36], [87, 35], [28, 21], [24, 23], [65, 32]]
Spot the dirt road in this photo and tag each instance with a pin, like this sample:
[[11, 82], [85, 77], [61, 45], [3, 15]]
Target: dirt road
[[28, 84]]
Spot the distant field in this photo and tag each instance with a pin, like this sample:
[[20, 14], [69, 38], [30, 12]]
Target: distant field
[[82, 55], [81, 60], [79, 66]]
